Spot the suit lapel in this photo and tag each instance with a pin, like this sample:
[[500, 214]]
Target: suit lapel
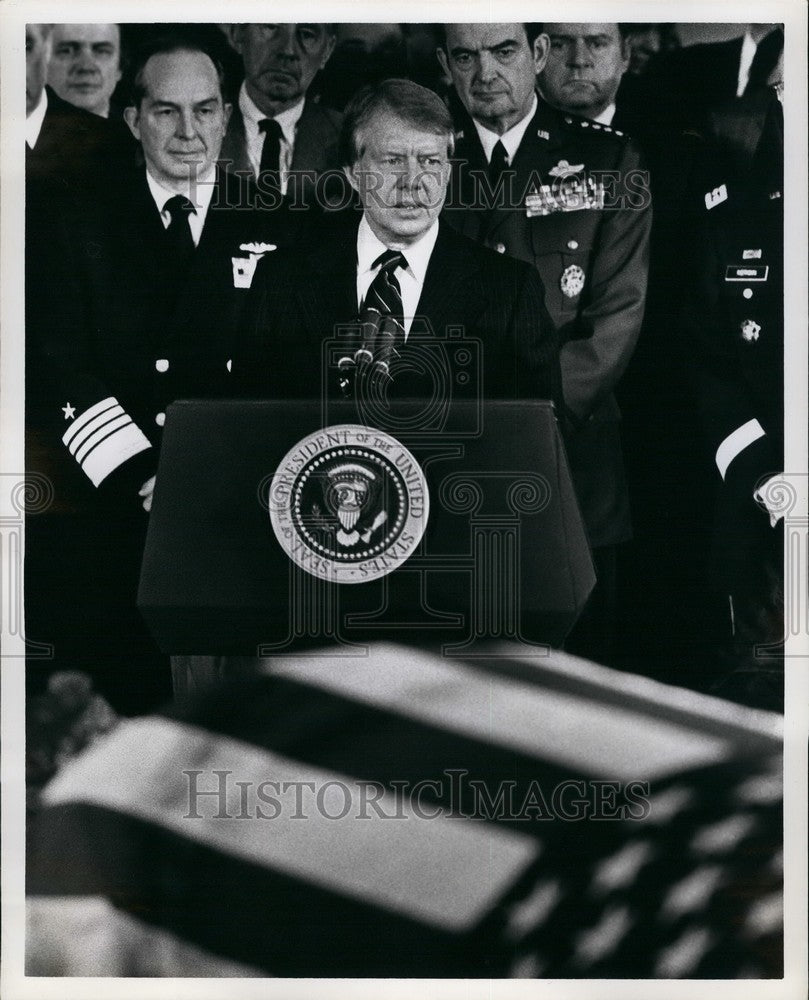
[[233, 155], [333, 266], [444, 295], [309, 151]]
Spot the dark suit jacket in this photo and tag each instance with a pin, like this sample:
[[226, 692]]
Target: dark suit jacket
[[598, 324], [682, 86], [77, 148], [316, 148], [300, 302]]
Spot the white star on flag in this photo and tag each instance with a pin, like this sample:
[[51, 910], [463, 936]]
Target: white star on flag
[[69, 411]]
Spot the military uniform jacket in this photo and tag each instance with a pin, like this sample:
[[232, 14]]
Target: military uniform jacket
[[121, 330], [591, 252], [736, 316]]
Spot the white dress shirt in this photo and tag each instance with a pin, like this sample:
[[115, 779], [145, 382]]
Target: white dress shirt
[[511, 139], [33, 123], [199, 194], [411, 278], [745, 62], [606, 116], [288, 120]]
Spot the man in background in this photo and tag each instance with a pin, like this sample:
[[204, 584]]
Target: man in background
[[276, 131], [541, 171], [85, 65], [138, 308], [583, 71]]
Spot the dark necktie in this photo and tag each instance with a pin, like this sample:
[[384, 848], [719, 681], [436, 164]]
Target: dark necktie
[[381, 324], [179, 230], [384, 294], [767, 52], [498, 163], [269, 169]]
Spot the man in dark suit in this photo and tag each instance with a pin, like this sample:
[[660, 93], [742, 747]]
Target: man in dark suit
[[397, 139], [143, 296], [66, 146], [85, 65], [683, 86], [276, 132], [571, 199]]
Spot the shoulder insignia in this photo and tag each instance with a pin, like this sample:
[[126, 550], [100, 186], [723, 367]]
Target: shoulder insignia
[[595, 126]]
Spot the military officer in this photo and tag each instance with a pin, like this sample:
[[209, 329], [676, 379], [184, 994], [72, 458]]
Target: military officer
[[570, 197], [736, 324], [141, 302]]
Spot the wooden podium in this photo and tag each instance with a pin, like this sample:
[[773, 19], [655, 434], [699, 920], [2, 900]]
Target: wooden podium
[[503, 554]]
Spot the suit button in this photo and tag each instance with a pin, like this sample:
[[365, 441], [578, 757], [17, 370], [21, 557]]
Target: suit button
[[162, 365], [160, 419], [500, 247], [748, 293], [573, 244]]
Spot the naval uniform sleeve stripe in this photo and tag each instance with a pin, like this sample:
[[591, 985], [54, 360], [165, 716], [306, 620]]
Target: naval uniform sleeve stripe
[[736, 442], [89, 414], [113, 450], [104, 431], [94, 429]]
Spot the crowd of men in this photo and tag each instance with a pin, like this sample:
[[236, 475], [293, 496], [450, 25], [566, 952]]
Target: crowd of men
[[200, 216]]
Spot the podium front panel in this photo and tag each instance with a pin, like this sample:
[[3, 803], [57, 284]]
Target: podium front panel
[[503, 553]]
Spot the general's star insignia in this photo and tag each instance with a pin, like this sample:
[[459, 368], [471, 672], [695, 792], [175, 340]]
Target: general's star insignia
[[750, 330], [69, 411]]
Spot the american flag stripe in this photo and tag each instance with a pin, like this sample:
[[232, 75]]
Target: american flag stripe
[[296, 847], [461, 895]]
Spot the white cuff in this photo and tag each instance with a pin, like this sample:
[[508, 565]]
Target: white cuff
[[764, 496], [736, 442], [104, 437]]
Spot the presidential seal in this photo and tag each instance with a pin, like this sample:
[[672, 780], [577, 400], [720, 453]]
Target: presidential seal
[[349, 504]]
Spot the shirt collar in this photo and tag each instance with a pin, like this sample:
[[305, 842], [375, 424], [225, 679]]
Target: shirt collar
[[33, 123], [202, 191], [252, 115], [745, 62], [606, 116], [511, 139], [418, 254]]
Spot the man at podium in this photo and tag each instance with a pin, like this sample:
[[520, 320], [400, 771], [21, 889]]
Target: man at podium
[[396, 271]]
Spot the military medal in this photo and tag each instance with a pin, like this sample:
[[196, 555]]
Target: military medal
[[572, 281], [750, 330]]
